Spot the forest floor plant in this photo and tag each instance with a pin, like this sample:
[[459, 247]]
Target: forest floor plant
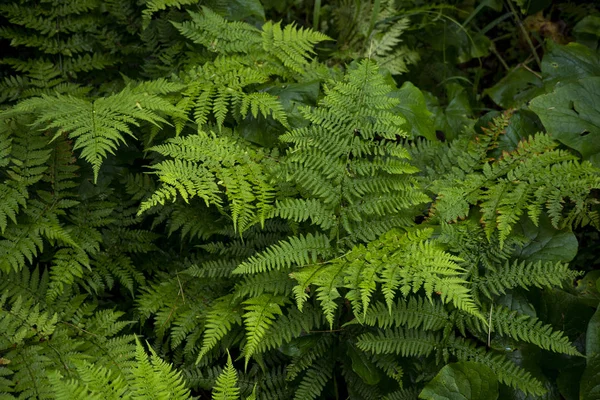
[[199, 202]]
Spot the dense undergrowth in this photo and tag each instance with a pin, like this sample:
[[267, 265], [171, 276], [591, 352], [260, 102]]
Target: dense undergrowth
[[299, 200]]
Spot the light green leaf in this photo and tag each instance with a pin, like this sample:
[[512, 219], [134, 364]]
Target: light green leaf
[[571, 115], [465, 380]]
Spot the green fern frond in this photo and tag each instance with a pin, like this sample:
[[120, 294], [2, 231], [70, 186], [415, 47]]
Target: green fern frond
[[523, 274], [403, 394], [202, 165], [219, 35], [219, 320], [529, 329], [155, 377], [297, 250], [289, 326], [260, 313], [314, 380], [291, 45], [507, 372], [415, 313], [226, 387], [534, 177], [405, 342], [97, 127], [153, 6]]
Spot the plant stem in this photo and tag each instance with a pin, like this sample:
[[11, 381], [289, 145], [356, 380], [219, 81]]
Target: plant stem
[[316, 14]]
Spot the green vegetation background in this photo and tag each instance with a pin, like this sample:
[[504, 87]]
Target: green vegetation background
[[299, 199]]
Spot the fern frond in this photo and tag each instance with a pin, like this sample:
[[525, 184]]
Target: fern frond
[[97, 127], [291, 45], [153, 6], [202, 165], [291, 325], [314, 380], [507, 372], [226, 387], [529, 329], [405, 342], [260, 312], [523, 274], [219, 320], [415, 313], [219, 35], [297, 250], [155, 377]]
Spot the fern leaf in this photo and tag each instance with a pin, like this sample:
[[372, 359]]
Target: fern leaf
[[259, 315], [506, 371], [219, 35], [299, 250], [522, 274], [226, 387], [292, 46], [219, 321], [529, 329], [314, 380]]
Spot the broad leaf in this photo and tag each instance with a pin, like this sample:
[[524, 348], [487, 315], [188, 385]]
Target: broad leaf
[[419, 120], [465, 380], [590, 381], [571, 115], [545, 243], [516, 88]]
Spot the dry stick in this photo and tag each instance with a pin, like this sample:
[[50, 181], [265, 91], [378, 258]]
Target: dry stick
[[525, 33]]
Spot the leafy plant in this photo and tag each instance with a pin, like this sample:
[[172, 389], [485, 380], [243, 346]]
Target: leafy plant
[[403, 206]]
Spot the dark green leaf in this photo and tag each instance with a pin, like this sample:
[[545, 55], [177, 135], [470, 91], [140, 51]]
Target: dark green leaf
[[590, 381], [570, 62], [419, 120], [571, 115], [587, 31], [363, 367], [592, 337], [465, 380], [545, 243], [516, 88]]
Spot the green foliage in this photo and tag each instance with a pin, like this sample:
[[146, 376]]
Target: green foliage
[[147, 379], [456, 381], [284, 216]]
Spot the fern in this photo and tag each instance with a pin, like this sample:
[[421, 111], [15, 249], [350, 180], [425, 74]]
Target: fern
[[219, 321], [415, 313], [226, 385], [506, 371], [405, 342], [201, 165], [297, 250], [534, 177], [314, 380], [148, 379], [97, 127], [522, 274], [402, 262], [528, 329], [258, 318]]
